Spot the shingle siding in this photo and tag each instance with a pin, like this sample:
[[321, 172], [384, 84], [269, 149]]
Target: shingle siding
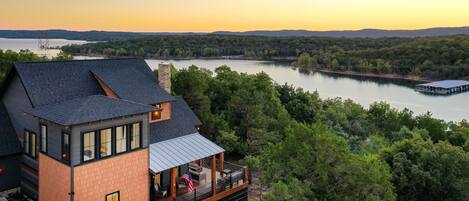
[[9, 143], [17, 102], [54, 140], [10, 178]]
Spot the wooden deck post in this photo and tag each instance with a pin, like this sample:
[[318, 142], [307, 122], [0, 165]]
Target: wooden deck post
[[246, 174], [222, 163], [214, 175], [173, 182]]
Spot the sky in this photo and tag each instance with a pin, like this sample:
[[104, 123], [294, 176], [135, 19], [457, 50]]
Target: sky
[[231, 15]]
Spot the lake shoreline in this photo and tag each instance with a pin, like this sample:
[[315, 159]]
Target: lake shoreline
[[232, 57], [390, 76]]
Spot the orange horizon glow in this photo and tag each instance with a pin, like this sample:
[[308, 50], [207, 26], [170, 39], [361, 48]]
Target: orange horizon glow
[[229, 15]]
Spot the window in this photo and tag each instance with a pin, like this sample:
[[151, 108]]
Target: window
[[43, 143], [26, 142], [66, 147], [110, 141], [89, 146], [121, 139], [113, 196], [33, 144], [156, 115], [30, 143], [135, 136], [105, 139]]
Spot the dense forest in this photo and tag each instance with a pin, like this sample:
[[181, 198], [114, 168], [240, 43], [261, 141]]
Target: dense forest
[[443, 57], [306, 148]]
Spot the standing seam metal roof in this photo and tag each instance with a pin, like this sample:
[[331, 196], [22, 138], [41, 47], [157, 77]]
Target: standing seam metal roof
[[446, 84], [182, 150]]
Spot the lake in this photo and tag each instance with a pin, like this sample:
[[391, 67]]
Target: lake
[[399, 94], [33, 45]]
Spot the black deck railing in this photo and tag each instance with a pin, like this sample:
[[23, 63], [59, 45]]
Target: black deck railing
[[234, 175]]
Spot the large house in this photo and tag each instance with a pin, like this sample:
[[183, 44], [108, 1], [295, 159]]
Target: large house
[[89, 130]]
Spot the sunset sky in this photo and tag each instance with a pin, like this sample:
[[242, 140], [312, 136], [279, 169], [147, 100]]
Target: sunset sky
[[231, 15]]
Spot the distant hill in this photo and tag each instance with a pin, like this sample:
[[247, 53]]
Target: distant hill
[[70, 35], [116, 35], [364, 33]]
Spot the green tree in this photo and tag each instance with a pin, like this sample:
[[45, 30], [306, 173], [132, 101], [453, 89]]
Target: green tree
[[335, 64], [314, 155], [424, 170], [293, 190], [305, 60]]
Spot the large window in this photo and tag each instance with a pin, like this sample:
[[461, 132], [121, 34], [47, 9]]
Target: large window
[[105, 142], [43, 142], [110, 141], [113, 196], [66, 147], [135, 136], [121, 139], [30, 143], [89, 146]]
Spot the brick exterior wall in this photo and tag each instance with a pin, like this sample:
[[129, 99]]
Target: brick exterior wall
[[54, 180], [127, 173]]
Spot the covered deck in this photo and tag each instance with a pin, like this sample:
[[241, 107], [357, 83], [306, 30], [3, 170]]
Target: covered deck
[[196, 159]]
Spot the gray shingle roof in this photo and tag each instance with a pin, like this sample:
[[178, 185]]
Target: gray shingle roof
[[58, 81], [89, 109], [182, 150], [183, 122], [9, 143], [446, 84], [130, 84]]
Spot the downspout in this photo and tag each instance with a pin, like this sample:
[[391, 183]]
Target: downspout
[[72, 193]]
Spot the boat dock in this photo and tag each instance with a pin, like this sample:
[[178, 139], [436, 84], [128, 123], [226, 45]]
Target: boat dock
[[445, 87]]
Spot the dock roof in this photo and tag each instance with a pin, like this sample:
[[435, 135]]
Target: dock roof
[[446, 84]]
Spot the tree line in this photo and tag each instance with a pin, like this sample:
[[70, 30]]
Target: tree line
[[307, 148], [438, 57]]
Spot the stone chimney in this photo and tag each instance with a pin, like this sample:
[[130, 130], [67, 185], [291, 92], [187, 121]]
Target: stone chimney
[[164, 76]]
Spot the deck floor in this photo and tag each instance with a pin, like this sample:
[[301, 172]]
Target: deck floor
[[203, 185]]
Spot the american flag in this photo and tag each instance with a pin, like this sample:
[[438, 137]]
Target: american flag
[[188, 180]]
